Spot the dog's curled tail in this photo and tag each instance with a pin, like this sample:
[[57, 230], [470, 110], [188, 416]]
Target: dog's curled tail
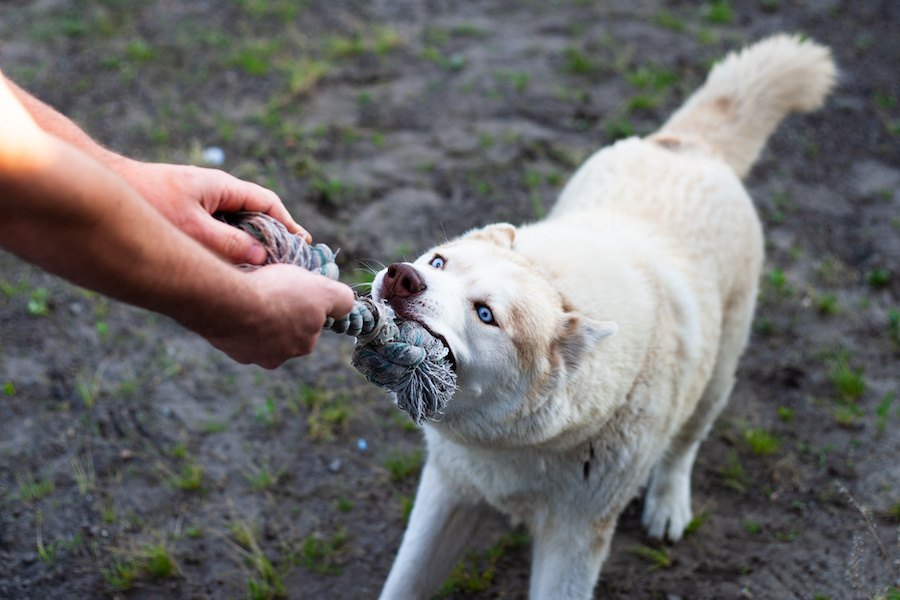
[[748, 93]]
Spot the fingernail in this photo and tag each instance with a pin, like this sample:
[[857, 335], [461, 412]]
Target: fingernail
[[256, 255]]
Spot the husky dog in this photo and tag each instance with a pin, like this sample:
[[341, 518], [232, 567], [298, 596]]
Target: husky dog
[[595, 348]]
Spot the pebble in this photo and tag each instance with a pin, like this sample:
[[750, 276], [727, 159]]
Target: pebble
[[335, 465], [362, 444], [213, 156]]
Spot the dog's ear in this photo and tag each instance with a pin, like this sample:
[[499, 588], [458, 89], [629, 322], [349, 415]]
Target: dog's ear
[[501, 234], [580, 335]]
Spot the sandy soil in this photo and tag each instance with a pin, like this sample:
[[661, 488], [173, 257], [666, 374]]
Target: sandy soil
[[137, 462]]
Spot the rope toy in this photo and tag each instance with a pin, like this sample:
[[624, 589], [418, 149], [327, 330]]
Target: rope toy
[[398, 355]]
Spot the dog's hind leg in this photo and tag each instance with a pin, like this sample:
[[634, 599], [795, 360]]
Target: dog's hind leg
[[439, 526], [667, 502]]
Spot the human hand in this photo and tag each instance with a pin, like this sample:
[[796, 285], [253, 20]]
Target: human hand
[[188, 196], [282, 318]]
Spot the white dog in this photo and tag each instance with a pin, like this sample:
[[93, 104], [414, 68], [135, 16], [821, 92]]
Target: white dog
[[595, 348]]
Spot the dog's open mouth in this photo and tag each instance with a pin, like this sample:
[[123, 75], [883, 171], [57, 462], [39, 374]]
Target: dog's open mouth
[[401, 312]]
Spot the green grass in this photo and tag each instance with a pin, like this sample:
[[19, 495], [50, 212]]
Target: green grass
[[762, 442], [39, 302], [827, 304], [666, 19], [718, 12], [320, 554], [267, 413], [849, 383], [883, 412], [121, 576], [657, 557], [403, 465], [878, 278], [576, 62], [329, 413], [263, 478], [785, 414], [32, 490], [733, 474], [476, 571], [752, 527], [157, 562], [190, 478], [696, 523]]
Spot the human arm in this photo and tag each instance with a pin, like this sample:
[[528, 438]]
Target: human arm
[[66, 212], [186, 195]]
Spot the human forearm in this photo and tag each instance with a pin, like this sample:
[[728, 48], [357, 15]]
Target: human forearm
[[104, 236]]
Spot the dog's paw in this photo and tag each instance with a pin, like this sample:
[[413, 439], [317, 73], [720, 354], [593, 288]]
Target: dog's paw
[[667, 506]]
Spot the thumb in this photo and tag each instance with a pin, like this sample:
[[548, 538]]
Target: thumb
[[342, 298], [236, 245]]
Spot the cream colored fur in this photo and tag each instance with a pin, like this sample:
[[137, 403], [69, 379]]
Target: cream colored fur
[[619, 322]]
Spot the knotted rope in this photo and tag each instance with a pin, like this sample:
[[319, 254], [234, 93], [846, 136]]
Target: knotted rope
[[398, 355]]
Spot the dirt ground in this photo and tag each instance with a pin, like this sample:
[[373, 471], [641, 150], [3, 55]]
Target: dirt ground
[[137, 462]]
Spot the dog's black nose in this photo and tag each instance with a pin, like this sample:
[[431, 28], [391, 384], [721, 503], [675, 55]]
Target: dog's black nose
[[401, 281]]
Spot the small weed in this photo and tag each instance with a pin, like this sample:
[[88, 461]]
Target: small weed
[[718, 12], [46, 553], [657, 557], [320, 554], [190, 478], [406, 506], [255, 57], [138, 51], [329, 413], [827, 304], [85, 475], [517, 79], [476, 571], [696, 523], [39, 302], [263, 478], [777, 284], [762, 442], [267, 413], [653, 78], [894, 325], [578, 63], [883, 411], [266, 583], [214, 426], [157, 562], [344, 505], [9, 389], [786, 414], [620, 128], [878, 278], [122, 575], [752, 527], [733, 473], [849, 383], [666, 19], [31, 490], [401, 466]]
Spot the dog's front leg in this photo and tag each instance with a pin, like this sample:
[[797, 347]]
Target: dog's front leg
[[440, 523], [567, 556]]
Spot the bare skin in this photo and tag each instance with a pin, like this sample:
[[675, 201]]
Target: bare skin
[[142, 233]]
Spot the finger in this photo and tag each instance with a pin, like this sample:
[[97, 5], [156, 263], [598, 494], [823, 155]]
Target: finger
[[244, 195], [342, 299], [230, 242]]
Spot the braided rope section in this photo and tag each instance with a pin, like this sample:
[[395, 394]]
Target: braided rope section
[[397, 355]]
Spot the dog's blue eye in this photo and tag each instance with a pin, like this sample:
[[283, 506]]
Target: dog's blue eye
[[485, 314], [437, 262]]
